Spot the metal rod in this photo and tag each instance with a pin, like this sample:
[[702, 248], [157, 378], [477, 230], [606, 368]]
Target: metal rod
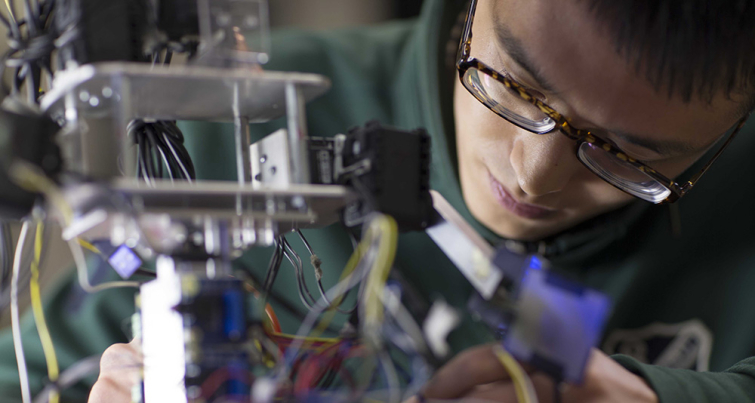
[[127, 152], [297, 134], [243, 141]]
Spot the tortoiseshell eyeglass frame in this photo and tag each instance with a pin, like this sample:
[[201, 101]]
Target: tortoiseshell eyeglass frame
[[465, 62]]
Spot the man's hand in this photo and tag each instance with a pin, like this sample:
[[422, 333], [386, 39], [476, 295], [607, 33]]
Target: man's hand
[[120, 367], [478, 374]]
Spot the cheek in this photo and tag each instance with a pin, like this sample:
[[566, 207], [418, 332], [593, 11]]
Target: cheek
[[481, 135]]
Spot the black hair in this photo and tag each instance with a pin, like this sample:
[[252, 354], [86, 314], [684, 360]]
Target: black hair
[[690, 48]]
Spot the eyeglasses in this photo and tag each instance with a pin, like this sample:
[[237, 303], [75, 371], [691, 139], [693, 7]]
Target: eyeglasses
[[511, 101]]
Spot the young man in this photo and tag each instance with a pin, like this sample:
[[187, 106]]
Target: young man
[[663, 83]]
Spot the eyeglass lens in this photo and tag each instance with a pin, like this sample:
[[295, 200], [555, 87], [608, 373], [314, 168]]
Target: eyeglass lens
[[509, 105]]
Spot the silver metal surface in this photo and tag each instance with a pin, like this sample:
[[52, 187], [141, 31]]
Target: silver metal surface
[[179, 92], [163, 217], [471, 254], [270, 161], [243, 141], [297, 133]]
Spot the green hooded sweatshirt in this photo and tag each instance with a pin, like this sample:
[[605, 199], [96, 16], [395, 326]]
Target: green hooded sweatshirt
[[682, 300]]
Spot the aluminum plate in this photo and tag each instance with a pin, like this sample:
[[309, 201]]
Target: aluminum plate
[[137, 90]]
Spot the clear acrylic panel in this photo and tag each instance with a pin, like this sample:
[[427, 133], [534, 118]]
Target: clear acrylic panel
[[234, 32]]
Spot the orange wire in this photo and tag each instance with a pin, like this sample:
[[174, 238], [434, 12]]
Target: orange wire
[[273, 318]]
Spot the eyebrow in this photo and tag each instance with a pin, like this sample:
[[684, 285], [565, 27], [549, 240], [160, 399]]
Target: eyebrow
[[513, 47], [662, 147]]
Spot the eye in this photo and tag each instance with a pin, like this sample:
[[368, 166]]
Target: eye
[[501, 69], [639, 153]]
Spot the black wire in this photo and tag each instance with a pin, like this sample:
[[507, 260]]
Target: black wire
[[320, 286], [157, 168], [343, 299], [146, 273], [168, 56], [161, 150], [298, 267], [277, 298], [557, 392], [15, 30], [329, 378], [6, 252], [31, 51], [303, 291], [4, 20], [273, 268], [32, 21]]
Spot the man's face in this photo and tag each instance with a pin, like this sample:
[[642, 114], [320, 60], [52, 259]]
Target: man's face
[[527, 186]]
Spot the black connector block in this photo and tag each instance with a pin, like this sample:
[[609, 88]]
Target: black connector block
[[29, 137], [102, 30], [178, 19], [391, 168]]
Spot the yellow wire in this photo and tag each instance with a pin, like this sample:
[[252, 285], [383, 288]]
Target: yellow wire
[[525, 392], [88, 246], [33, 179], [10, 11], [48, 348], [381, 270]]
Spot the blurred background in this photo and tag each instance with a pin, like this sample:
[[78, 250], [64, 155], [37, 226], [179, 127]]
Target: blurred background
[[323, 14]]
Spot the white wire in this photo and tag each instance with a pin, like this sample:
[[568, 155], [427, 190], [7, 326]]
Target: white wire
[[81, 268], [391, 377], [70, 377], [23, 375]]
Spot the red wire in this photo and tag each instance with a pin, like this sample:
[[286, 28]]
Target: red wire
[[220, 376]]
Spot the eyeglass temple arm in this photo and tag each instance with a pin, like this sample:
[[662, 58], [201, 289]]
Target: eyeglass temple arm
[[687, 186]]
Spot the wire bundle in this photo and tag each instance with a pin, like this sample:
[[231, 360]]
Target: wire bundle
[[371, 261], [161, 151], [32, 42]]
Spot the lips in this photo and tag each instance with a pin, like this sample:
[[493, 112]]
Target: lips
[[507, 201]]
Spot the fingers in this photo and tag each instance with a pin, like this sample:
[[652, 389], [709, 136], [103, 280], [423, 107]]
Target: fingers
[[119, 357], [109, 390], [503, 391], [473, 367], [120, 366]]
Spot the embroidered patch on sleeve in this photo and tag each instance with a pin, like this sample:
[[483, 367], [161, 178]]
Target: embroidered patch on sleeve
[[685, 345]]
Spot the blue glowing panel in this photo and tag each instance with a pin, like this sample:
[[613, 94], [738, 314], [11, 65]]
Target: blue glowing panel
[[558, 322], [125, 262]]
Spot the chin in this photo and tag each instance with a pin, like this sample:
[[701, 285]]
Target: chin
[[510, 226]]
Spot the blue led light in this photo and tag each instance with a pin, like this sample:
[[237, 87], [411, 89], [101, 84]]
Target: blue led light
[[125, 261], [536, 263]]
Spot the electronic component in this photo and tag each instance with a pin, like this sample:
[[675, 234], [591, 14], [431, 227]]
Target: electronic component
[[99, 31], [125, 262], [178, 19], [545, 320], [29, 137], [557, 323], [215, 324], [195, 330], [391, 169]]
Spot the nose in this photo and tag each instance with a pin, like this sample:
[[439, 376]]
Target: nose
[[544, 164]]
